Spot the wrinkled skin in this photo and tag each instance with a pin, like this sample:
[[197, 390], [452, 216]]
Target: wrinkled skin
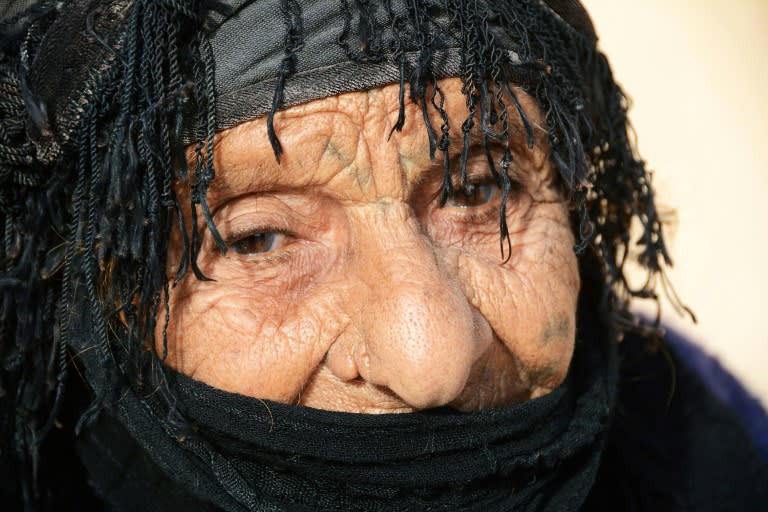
[[347, 287]]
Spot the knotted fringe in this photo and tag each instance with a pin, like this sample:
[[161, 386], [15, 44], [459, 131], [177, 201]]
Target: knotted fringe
[[85, 237]]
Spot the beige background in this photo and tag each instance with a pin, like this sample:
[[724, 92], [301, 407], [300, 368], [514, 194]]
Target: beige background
[[697, 71]]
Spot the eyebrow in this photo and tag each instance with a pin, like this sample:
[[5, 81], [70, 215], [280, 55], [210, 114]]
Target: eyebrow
[[518, 145], [516, 133], [254, 176]]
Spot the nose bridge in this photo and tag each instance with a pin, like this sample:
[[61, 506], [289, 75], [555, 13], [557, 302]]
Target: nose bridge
[[417, 330]]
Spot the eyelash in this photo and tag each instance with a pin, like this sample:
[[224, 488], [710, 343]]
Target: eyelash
[[489, 210], [461, 193], [244, 234]]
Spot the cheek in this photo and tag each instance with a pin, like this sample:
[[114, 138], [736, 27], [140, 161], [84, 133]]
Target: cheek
[[530, 301], [259, 328], [241, 340]]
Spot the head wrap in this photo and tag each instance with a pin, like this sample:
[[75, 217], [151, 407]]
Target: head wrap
[[98, 98]]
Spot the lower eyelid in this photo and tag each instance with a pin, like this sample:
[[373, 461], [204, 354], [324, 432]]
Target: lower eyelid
[[478, 217], [282, 270], [484, 215], [266, 258]]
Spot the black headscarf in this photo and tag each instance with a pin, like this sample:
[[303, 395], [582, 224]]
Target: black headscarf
[[98, 99]]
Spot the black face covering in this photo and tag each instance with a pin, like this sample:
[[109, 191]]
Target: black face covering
[[248, 454]]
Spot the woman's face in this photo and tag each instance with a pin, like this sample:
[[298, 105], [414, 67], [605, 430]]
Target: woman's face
[[347, 287]]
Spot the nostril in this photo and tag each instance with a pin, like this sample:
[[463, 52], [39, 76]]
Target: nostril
[[342, 364]]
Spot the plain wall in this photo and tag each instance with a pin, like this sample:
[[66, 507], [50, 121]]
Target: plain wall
[[697, 72]]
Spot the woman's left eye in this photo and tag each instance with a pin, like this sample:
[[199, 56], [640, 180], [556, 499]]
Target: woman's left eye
[[473, 195], [258, 243]]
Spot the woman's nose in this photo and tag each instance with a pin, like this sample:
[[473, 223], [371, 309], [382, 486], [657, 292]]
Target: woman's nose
[[414, 330]]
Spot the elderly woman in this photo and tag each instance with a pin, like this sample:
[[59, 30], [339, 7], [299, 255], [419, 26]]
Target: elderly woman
[[334, 255]]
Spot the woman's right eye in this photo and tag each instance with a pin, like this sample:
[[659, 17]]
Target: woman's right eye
[[258, 243], [474, 195]]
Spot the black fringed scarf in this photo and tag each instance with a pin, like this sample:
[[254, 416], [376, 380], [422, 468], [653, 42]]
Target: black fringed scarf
[[98, 98]]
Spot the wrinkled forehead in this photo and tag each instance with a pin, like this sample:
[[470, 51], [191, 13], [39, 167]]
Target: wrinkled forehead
[[355, 129]]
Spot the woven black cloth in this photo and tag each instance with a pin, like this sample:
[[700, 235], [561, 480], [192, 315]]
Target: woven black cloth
[[669, 445], [248, 454]]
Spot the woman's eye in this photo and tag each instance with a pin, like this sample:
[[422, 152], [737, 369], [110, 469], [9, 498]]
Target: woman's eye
[[258, 243], [473, 195]]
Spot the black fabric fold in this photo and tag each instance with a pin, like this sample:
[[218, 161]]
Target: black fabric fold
[[248, 454]]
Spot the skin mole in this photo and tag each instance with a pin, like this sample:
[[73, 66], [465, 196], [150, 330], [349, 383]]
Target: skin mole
[[555, 330]]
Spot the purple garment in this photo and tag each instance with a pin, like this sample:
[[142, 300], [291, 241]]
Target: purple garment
[[725, 387]]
